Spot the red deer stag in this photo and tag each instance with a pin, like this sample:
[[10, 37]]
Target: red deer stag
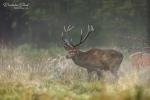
[[140, 60], [93, 59]]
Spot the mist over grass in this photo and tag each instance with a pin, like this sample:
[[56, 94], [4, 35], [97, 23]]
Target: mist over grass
[[28, 73]]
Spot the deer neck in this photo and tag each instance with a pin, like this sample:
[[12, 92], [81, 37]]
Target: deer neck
[[77, 57]]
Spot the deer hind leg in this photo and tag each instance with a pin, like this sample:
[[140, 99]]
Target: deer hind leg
[[100, 75], [115, 67], [91, 75], [114, 71]]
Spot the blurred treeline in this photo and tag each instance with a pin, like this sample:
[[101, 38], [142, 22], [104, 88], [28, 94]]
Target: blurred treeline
[[116, 22]]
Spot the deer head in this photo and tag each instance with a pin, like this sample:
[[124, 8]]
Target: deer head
[[68, 43]]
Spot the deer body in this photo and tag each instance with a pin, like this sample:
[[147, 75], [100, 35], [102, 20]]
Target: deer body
[[93, 59], [99, 60]]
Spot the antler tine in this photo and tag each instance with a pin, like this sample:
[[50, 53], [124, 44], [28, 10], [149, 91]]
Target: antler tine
[[81, 35], [70, 27], [92, 28], [65, 29]]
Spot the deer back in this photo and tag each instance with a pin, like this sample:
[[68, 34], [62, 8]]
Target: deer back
[[102, 59]]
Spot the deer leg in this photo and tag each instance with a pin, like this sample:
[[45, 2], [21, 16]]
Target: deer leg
[[115, 73], [89, 75], [99, 74]]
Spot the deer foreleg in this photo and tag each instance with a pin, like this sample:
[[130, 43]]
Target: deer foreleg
[[89, 74], [99, 74]]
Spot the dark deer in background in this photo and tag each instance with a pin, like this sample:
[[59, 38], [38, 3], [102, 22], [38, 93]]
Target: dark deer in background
[[93, 59]]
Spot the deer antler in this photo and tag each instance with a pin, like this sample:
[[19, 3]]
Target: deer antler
[[90, 30], [82, 39]]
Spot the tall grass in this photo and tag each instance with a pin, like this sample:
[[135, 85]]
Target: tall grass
[[28, 73]]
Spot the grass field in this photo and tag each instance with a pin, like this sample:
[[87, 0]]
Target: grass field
[[45, 74]]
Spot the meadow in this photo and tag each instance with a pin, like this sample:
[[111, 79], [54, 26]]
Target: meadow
[[28, 73]]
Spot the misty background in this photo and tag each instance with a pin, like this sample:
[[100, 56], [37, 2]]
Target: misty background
[[119, 23]]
